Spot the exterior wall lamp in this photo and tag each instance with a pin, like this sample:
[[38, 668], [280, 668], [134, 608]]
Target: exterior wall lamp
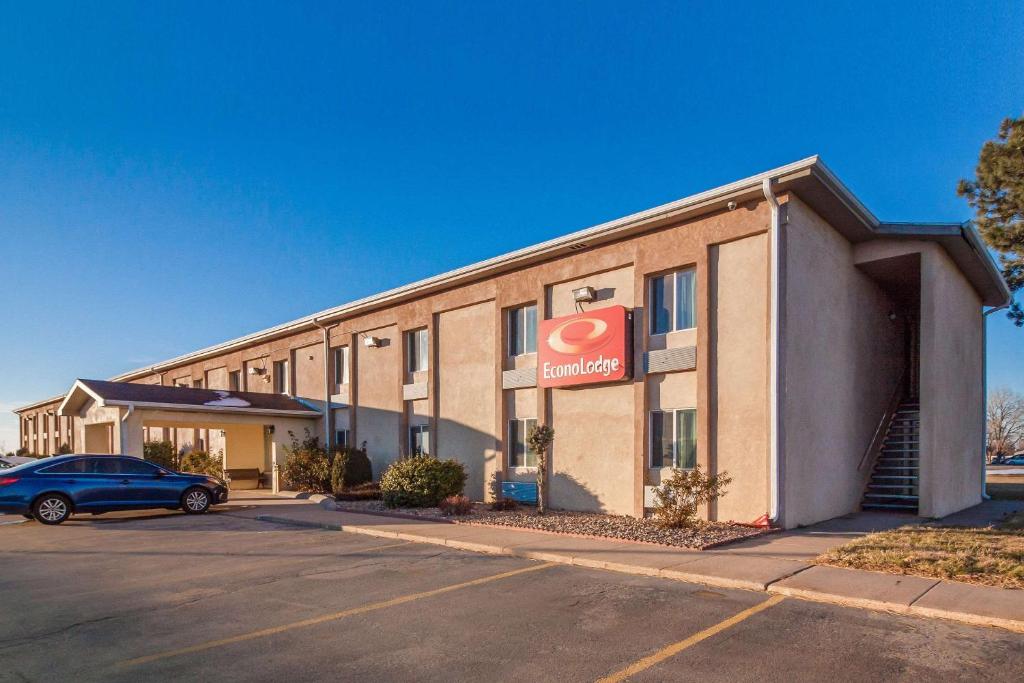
[[584, 295]]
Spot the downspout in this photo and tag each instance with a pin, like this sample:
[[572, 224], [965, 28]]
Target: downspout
[[984, 395], [774, 420], [328, 445], [124, 418]]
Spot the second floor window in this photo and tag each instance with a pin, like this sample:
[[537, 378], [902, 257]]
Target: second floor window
[[235, 380], [341, 365], [281, 384], [416, 341], [673, 301], [522, 330]]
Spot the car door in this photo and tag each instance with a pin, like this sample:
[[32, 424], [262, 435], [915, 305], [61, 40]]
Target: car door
[[149, 485], [105, 487]]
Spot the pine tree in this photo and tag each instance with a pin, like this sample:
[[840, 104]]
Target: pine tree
[[997, 196]]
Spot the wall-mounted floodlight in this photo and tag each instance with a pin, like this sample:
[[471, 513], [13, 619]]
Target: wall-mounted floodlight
[[584, 295], [371, 342]]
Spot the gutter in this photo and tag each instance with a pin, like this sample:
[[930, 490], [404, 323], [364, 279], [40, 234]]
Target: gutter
[[775, 412]]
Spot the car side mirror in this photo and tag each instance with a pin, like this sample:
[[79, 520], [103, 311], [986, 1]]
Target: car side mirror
[[161, 473]]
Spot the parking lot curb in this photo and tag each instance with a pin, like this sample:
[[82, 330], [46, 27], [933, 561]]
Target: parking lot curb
[[777, 585]]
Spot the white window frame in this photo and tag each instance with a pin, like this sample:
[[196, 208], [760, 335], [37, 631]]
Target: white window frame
[[670, 286], [338, 437], [523, 423], [514, 327], [341, 371], [281, 377], [675, 438], [420, 429], [417, 351], [233, 375]]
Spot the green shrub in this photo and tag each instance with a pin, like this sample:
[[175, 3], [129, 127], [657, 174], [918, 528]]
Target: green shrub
[[421, 481], [677, 499], [455, 505], [161, 453], [350, 467], [201, 462], [64, 449], [307, 467], [504, 504]]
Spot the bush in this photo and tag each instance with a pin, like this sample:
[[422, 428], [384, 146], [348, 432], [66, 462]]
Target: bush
[[350, 467], [367, 491], [677, 499], [64, 449], [307, 467], [161, 453], [503, 504], [201, 462], [456, 505], [421, 481]]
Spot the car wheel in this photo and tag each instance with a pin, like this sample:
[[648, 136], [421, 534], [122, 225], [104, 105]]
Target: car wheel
[[196, 501], [51, 508]]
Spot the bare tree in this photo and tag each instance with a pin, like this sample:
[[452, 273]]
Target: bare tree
[[1005, 419]]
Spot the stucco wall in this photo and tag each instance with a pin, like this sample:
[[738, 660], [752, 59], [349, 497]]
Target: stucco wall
[[308, 373], [465, 374], [842, 361], [592, 456], [951, 388], [379, 409], [738, 275]]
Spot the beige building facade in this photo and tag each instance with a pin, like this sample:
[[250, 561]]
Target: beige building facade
[[777, 331]]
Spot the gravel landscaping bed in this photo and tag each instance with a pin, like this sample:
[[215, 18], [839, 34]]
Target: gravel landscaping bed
[[578, 523]]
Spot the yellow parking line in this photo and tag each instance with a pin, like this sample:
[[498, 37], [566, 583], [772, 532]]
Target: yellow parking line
[[262, 633], [675, 648]]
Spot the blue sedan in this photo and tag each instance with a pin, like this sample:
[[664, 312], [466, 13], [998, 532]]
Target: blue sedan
[[51, 489]]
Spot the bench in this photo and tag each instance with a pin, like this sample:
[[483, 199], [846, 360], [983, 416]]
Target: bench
[[244, 474]]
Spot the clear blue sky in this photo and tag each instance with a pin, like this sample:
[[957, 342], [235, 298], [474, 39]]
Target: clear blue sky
[[177, 174]]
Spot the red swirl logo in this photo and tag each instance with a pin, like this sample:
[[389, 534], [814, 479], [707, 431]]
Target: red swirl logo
[[579, 336]]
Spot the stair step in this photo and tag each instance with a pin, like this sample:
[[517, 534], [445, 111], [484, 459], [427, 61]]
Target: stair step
[[888, 506], [912, 477], [890, 495], [881, 488]]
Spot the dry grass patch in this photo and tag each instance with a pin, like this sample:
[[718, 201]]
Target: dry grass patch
[[992, 556]]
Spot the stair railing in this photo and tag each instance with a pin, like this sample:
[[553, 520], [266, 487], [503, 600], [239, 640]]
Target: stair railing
[[880, 431]]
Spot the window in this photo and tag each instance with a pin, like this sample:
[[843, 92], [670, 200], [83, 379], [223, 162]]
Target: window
[[522, 330], [136, 466], [416, 342], [673, 301], [674, 438], [419, 440], [281, 384], [197, 384], [519, 454], [341, 438], [103, 466], [77, 466], [235, 380], [341, 365]]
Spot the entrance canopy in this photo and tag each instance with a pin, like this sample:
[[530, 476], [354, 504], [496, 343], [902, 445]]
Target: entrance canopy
[[136, 396]]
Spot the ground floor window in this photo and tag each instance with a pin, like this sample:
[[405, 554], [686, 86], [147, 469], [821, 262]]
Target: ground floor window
[[419, 440], [520, 454], [341, 438], [674, 438]]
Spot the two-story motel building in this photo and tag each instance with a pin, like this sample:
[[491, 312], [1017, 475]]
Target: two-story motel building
[[772, 328]]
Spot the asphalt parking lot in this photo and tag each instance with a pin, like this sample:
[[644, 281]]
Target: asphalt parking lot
[[223, 597]]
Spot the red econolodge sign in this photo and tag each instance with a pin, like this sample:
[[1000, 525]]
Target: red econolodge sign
[[585, 348]]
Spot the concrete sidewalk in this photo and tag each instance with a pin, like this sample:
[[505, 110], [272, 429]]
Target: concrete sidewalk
[[778, 563]]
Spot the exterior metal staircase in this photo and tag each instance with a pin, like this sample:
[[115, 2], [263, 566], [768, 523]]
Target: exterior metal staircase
[[894, 479]]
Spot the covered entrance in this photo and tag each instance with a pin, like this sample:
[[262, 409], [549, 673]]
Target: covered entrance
[[248, 430]]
